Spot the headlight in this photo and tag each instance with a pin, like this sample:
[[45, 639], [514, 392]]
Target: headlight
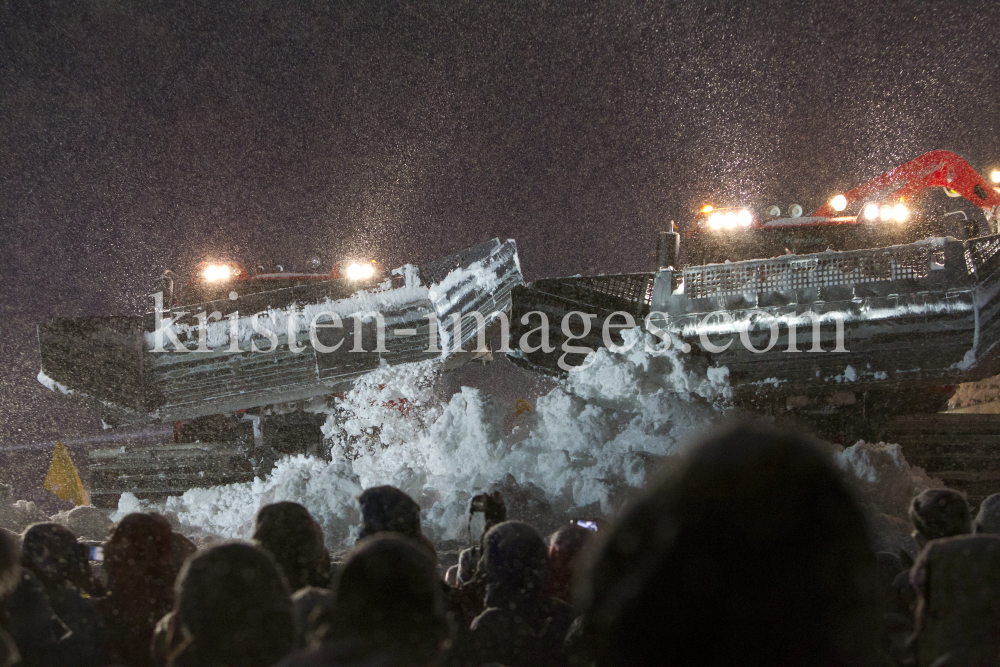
[[900, 212], [885, 212], [995, 175], [716, 220], [744, 218], [359, 271], [871, 212], [217, 272], [730, 220], [839, 203]]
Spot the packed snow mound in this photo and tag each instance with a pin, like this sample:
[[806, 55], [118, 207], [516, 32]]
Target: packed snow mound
[[584, 449], [89, 523], [884, 483], [16, 516], [970, 394], [587, 444]]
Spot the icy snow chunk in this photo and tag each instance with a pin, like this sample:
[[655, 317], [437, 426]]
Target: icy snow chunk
[[16, 516], [128, 503], [589, 441], [326, 490], [974, 393], [52, 385], [884, 483], [89, 523]]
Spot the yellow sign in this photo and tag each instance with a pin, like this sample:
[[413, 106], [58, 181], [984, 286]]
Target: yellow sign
[[63, 479]]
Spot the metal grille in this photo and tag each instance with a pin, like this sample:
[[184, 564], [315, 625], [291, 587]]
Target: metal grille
[[979, 252], [808, 271], [627, 291]]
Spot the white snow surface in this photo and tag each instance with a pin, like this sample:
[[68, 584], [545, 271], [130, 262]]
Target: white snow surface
[[587, 444], [294, 321], [884, 483], [52, 385]]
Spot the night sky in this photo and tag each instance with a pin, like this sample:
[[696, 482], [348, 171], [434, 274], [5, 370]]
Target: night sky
[[141, 136]]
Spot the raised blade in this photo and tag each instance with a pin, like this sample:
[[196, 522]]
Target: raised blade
[[134, 374], [100, 360], [922, 314]]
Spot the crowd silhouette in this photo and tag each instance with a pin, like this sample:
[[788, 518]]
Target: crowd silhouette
[[751, 551]]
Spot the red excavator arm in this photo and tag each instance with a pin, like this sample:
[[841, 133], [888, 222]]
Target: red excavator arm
[[934, 169]]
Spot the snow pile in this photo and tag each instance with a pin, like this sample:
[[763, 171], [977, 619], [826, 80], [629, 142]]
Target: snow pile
[[87, 522], [588, 442], [972, 394], [16, 516], [327, 489], [884, 483]]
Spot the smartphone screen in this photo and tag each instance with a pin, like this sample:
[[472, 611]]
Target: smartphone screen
[[97, 553]]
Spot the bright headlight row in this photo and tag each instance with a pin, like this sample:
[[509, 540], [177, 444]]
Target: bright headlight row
[[884, 212], [358, 271], [216, 272], [730, 219]]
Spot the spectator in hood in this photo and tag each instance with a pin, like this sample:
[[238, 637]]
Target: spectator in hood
[[295, 539], [386, 509], [565, 547], [938, 513], [467, 599], [388, 609], [753, 552], [934, 513], [521, 625], [43, 640], [988, 519], [957, 580], [233, 608], [494, 512], [139, 564], [60, 563]]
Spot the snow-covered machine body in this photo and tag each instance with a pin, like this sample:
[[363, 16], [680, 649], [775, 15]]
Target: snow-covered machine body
[[215, 366], [274, 346], [893, 284]]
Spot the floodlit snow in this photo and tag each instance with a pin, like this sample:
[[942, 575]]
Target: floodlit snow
[[585, 445], [884, 483], [297, 319], [296, 322], [971, 394], [588, 444], [52, 385]]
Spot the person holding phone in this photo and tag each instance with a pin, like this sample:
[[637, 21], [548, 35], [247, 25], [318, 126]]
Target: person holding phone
[[61, 564]]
